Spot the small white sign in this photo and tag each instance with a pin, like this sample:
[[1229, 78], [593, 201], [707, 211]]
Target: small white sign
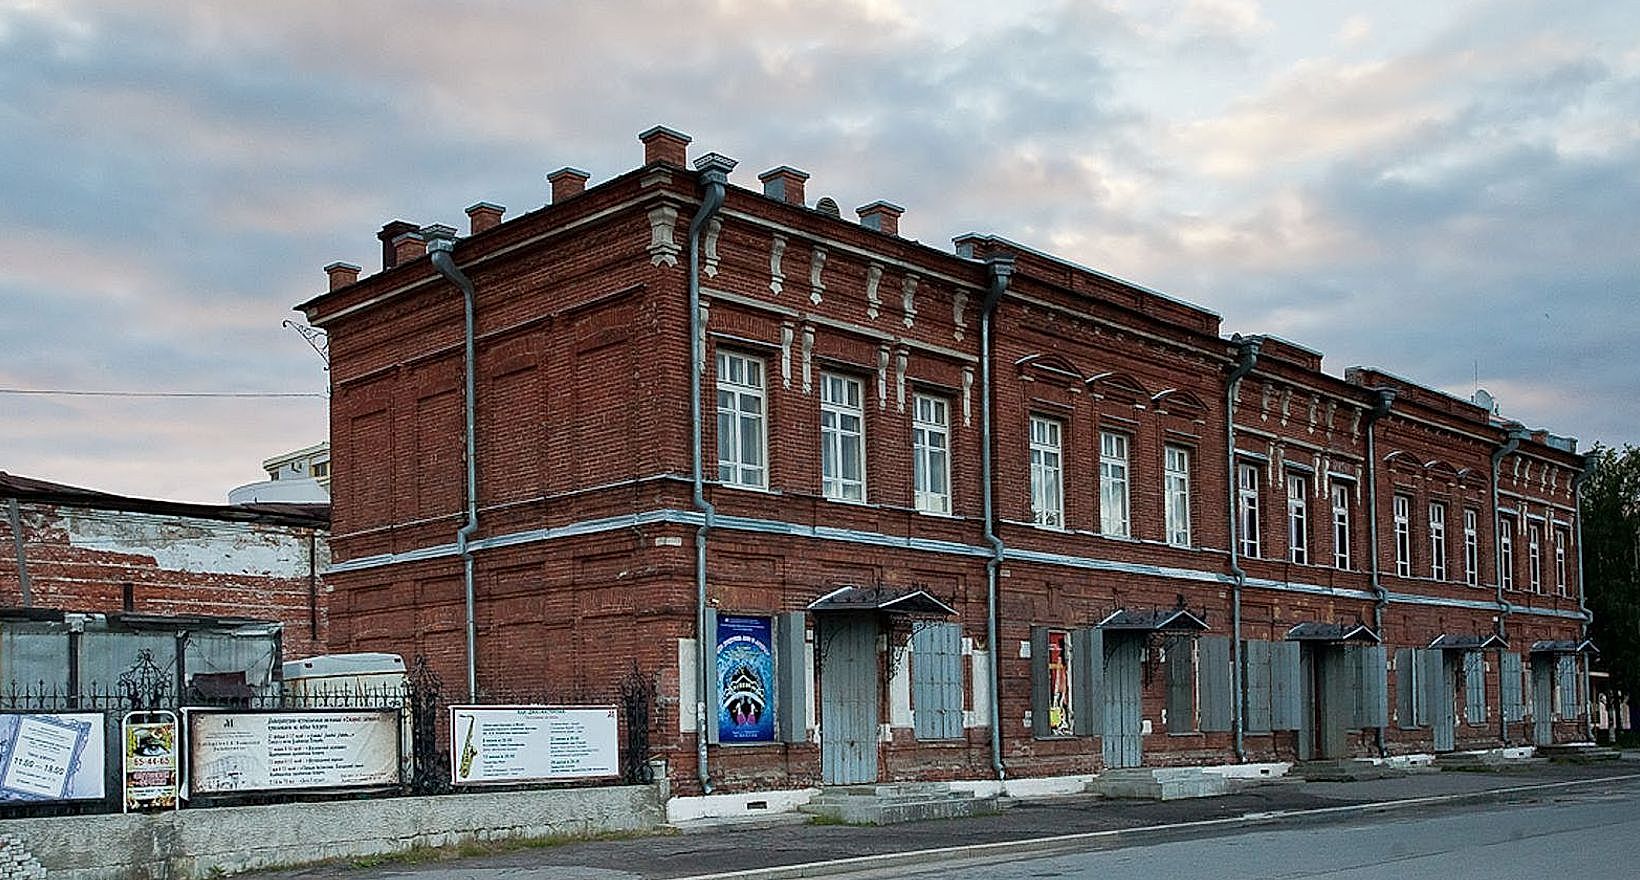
[[51, 757], [507, 744]]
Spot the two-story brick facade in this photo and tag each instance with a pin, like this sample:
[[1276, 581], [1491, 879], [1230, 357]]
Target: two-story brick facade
[[1173, 518]]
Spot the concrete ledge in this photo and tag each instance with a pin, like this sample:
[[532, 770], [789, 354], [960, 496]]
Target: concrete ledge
[[735, 806], [216, 841]]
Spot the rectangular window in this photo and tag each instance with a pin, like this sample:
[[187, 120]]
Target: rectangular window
[[1506, 552], [1437, 541], [1341, 524], [1298, 518], [740, 433], [1247, 508], [1403, 535], [1562, 585], [1534, 556], [1113, 484], [1047, 489], [1176, 494], [1471, 549], [931, 454], [842, 438]]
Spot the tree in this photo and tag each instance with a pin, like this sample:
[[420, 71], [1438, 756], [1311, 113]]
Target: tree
[[1611, 559]]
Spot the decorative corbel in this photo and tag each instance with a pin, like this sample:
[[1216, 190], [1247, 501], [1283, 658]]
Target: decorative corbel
[[786, 354], [817, 264], [808, 358], [663, 248], [908, 299], [713, 228], [874, 277], [777, 249]]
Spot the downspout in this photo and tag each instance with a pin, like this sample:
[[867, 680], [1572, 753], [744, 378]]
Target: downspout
[[27, 588], [442, 250], [1380, 408], [1246, 357], [1001, 268], [714, 177], [1582, 602], [1512, 442]]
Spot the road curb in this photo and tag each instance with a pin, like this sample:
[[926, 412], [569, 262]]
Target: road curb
[[1117, 837]]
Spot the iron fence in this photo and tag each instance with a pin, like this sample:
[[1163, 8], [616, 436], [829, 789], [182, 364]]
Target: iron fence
[[421, 699]]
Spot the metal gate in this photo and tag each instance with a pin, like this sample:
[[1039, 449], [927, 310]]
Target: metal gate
[[1123, 725], [1543, 699], [1324, 702], [848, 699]]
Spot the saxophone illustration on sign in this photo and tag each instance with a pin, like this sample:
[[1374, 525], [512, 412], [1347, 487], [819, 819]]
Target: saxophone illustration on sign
[[468, 750]]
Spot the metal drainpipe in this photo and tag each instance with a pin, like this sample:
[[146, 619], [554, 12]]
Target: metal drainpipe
[[714, 177], [1001, 269], [1512, 442], [1380, 408], [1582, 603], [442, 252], [1246, 357]]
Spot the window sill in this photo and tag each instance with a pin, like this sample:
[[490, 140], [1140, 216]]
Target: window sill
[[760, 490]]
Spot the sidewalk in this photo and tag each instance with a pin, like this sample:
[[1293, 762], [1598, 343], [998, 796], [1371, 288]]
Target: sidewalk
[[1034, 826]]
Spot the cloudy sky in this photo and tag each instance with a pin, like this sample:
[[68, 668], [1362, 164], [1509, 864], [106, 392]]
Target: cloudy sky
[[1449, 190]]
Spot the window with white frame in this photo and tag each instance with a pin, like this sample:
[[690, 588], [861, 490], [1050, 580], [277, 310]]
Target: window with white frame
[[1341, 524], [1437, 540], [741, 442], [1047, 487], [842, 438], [1534, 556], [1562, 585], [1113, 484], [931, 453], [1298, 518], [1506, 552], [1247, 507], [1471, 548], [1403, 535], [1176, 494]]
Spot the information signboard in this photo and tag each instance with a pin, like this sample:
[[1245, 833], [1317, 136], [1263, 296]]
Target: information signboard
[[51, 757], [252, 751], [508, 744]]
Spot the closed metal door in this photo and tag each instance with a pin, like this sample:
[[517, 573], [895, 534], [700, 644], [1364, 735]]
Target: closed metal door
[[1310, 717], [848, 700], [1444, 713], [1543, 699], [1123, 725]]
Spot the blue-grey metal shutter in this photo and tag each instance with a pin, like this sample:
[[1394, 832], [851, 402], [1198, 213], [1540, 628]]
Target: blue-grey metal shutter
[[1474, 687], [708, 654], [1432, 692], [1514, 702], [1088, 681], [1374, 687], [1257, 678], [1181, 684], [1039, 681], [936, 681], [1406, 688], [791, 680], [1566, 686], [1285, 707], [1217, 691]]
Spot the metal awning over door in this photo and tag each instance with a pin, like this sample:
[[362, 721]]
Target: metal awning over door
[[883, 600], [1173, 620], [1464, 642], [1316, 631], [1565, 646]]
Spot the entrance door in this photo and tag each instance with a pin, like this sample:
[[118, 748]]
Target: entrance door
[[1443, 714], [848, 699], [1321, 732], [1543, 699], [1123, 725]]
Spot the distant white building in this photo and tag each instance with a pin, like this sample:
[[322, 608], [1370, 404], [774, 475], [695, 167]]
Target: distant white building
[[299, 477]]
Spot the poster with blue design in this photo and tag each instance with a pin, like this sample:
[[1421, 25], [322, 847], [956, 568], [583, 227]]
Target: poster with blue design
[[745, 675], [47, 757]]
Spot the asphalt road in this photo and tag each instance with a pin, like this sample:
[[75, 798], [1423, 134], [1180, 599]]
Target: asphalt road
[[1584, 833]]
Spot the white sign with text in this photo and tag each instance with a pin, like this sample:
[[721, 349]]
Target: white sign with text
[[250, 751], [504, 744]]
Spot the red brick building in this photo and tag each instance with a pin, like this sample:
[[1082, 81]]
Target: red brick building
[[946, 514], [83, 551]]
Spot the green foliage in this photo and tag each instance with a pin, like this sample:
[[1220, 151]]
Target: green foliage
[[1611, 559]]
